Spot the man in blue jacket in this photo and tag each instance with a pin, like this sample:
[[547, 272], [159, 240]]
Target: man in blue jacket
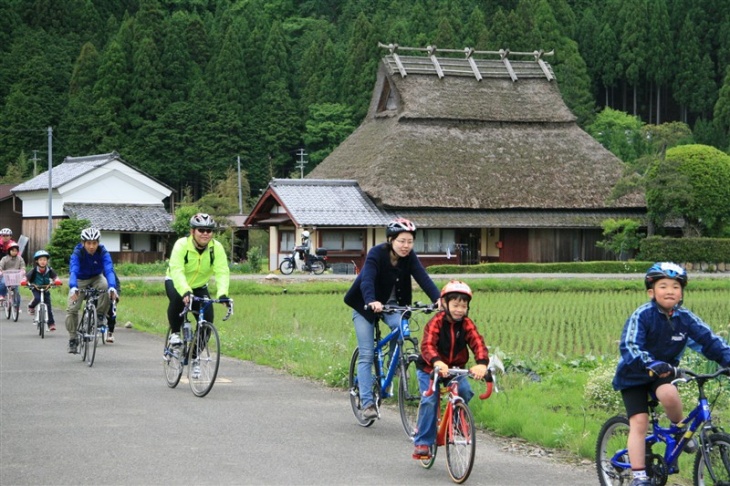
[[90, 266]]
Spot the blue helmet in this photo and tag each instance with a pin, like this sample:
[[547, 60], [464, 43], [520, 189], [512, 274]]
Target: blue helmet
[[41, 253], [665, 270]]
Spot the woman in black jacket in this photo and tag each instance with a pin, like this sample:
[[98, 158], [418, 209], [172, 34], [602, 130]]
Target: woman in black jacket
[[385, 279]]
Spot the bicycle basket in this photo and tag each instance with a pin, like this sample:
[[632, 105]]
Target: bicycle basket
[[13, 277]]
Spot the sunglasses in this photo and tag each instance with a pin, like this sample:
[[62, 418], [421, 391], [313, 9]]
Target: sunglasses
[[204, 230]]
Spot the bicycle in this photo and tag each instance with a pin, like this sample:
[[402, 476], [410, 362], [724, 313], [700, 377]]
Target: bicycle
[[87, 334], [200, 349], [11, 303], [41, 310], [315, 264], [712, 459], [402, 365], [455, 427]]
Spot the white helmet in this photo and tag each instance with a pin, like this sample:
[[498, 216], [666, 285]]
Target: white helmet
[[6, 232], [305, 234], [90, 234]]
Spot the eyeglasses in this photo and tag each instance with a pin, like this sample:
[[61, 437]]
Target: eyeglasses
[[204, 230], [404, 242]]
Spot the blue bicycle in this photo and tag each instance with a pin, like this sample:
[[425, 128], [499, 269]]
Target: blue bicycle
[[386, 368], [712, 460]]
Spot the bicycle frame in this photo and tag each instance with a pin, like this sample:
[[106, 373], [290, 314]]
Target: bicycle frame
[[699, 418]]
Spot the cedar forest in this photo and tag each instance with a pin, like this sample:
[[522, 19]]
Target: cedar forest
[[181, 88]]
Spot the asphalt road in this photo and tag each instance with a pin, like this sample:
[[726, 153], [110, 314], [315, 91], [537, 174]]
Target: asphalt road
[[62, 422]]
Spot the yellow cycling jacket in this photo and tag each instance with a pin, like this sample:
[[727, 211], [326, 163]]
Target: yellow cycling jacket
[[189, 269]]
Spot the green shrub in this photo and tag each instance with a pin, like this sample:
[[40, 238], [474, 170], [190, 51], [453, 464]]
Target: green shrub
[[599, 393], [254, 259], [681, 250], [65, 238], [562, 267]]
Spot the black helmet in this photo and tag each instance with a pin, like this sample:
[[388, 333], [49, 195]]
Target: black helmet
[[398, 226], [665, 270]]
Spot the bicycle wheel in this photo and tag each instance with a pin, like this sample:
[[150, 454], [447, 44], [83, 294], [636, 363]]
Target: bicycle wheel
[[81, 332], [15, 308], [409, 396], [287, 266], [171, 363], [6, 307], [41, 319], [205, 353], [355, 390], [427, 463], [461, 443], [317, 267], [91, 338], [715, 470], [612, 439]]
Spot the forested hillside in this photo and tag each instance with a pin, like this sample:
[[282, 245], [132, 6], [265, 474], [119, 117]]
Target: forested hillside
[[180, 88]]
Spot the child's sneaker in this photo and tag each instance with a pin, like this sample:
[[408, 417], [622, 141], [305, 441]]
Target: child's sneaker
[[109, 337], [31, 310], [51, 327]]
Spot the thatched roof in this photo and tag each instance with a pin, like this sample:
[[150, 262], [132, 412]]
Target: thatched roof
[[456, 142]]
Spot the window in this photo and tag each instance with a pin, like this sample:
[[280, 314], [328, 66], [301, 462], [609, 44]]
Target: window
[[286, 241], [343, 240], [435, 241]]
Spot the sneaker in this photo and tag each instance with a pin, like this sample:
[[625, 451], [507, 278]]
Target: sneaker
[[72, 346], [51, 327], [642, 482], [691, 446], [109, 337], [175, 339], [31, 310], [370, 413], [422, 452], [196, 372]]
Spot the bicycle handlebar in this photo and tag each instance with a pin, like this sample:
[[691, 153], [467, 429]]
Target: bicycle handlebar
[[488, 379], [194, 298], [42, 288], [415, 307], [685, 373]]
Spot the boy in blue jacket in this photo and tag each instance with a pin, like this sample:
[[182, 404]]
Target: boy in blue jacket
[[652, 343], [90, 266]]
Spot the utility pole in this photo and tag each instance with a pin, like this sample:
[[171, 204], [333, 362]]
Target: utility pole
[[35, 163], [301, 162], [240, 194], [50, 183]]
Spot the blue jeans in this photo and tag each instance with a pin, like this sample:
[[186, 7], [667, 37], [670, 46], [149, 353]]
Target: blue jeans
[[426, 425], [365, 332]]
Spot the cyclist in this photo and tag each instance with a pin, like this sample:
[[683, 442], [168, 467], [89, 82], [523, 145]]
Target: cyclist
[[90, 265], [652, 343], [11, 261], [303, 249], [6, 239], [42, 274], [447, 338], [384, 279], [193, 261]]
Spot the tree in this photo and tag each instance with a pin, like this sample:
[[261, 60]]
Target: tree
[[327, 126], [622, 237], [694, 182], [722, 107], [619, 132], [63, 241]]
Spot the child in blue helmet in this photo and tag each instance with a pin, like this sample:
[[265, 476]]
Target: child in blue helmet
[[652, 343], [42, 274]]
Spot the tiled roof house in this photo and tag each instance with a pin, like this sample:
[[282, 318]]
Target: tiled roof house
[[125, 204]]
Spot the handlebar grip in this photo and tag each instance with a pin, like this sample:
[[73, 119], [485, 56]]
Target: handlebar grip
[[488, 392]]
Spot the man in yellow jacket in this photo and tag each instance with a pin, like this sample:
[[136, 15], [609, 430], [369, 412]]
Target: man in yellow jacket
[[193, 261]]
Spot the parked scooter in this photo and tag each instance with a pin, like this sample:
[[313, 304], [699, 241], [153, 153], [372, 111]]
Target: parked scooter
[[305, 261]]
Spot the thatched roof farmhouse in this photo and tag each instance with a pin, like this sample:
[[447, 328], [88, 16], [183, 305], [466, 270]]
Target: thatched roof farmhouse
[[487, 149]]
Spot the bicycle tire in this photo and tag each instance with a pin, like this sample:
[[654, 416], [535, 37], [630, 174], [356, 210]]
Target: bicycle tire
[[171, 363], [206, 353], [92, 339], [355, 390], [427, 463], [717, 447], [409, 394], [40, 311], [613, 438], [15, 308], [317, 267], [6, 308], [461, 443], [81, 332], [287, 266]]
